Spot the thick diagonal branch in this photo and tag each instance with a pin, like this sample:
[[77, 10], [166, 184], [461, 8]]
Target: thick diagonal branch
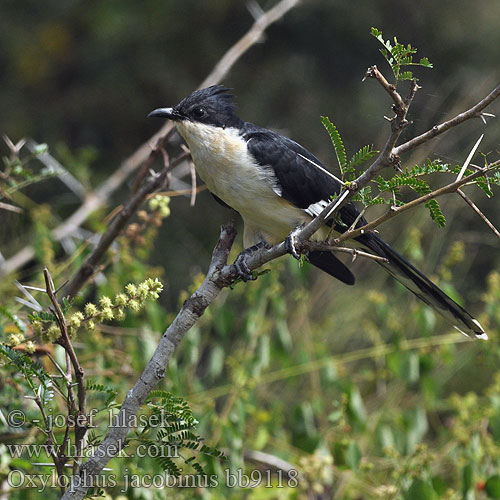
[[154, 372]]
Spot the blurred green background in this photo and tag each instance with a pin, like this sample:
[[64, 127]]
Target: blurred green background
[[82, 76]]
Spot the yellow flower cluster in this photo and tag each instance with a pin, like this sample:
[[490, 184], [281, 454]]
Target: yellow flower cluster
[[161, 204], [134, 298]]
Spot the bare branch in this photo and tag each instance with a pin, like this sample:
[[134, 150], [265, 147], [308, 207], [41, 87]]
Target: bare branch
[[253, 36], [473, 112], [373, 72], [268, 460], [65, 342], [393, 211], [11, 208], [478, 211], [322, 246], [89, 266]]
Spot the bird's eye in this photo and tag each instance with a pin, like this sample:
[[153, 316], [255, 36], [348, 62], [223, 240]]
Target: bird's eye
[[198, 112]]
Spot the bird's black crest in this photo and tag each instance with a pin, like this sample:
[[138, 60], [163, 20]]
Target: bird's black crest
[[213, 105]]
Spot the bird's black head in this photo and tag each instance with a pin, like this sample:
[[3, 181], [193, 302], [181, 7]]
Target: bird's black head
[[212, 106]]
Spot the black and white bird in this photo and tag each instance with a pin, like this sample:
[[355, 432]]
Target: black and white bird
[[276, 185]]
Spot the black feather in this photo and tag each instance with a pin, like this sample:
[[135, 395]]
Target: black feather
[[415, 281], [218, 104], [331, 265]]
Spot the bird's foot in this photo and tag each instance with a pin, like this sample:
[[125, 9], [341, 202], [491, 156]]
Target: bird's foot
[[241, 265], [291, 242]]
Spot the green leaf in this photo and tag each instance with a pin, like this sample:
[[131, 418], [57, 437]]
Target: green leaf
[[364, 154], [492, 486], [439, 485], [494, 426], [425, 62], [406, 75], [336, 141], [21, 325], [482, 184], [355, 407], [353, 456], [398, 56], [436, 213], [420, 490], [467, 479]]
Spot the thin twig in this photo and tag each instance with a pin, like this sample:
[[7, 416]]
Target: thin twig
[[473, 112], [393, 211], [322, 246], [11, 208], [90, 265], [253, 36], [373, 72], [51, 441], [268, 460], [65, 342], [478, 212]]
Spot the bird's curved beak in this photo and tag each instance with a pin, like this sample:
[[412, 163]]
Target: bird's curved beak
[[170, 113]]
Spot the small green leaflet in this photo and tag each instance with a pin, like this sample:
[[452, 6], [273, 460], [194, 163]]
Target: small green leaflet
[[436, 213], [336, 141], [399, 55], [364, 154]]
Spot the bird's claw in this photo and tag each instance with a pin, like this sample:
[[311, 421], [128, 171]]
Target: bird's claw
[[291, 242], [242, 268], [241, 265]]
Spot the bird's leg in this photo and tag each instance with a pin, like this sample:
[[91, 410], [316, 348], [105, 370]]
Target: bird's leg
[[291, 242], [241, 265]]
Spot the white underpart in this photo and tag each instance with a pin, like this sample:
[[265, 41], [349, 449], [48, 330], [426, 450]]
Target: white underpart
[[316, 208], [223, 162]]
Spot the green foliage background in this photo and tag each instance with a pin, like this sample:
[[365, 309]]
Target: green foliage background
[[365, 391]]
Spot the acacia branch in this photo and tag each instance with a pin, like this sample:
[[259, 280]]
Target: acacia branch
[[190, 312], [322, 246], [253, 36], [114, 229], [473, 112], [393, 211], [72, 359], [478, 211]]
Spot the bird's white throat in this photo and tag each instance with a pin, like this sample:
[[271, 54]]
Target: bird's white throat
[[223, 162]]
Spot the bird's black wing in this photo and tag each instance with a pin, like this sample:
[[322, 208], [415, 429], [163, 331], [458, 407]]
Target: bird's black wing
[[305, 182], [301, 178]]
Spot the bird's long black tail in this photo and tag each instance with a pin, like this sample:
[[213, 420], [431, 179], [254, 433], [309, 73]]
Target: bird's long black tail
[[422, 286]]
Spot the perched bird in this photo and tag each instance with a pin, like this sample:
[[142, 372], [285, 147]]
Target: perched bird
[[276, 185]]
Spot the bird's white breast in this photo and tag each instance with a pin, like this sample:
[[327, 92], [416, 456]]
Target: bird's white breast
[[223, 162]]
